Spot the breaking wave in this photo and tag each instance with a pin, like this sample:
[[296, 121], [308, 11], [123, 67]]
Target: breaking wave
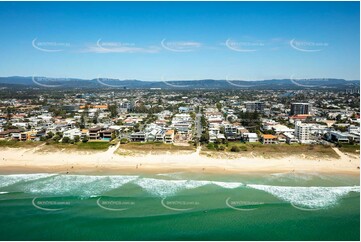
[[165, 188], [8, 180], [81, 185], [308, 197]]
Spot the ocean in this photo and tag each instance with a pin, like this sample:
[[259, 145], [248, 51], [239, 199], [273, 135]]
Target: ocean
[[179, 206]]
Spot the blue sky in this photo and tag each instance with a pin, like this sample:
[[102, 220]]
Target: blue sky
[[180, 40]]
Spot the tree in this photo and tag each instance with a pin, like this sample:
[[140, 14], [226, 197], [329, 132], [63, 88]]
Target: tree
[[113, 135], [56, 138], [49, 135], [65, 140], [124, 141], [136, 127], [113, 111], [85, 139], [96, 116], [210, 146], [76, 138], [219, 106], [82, 122], [204, 138]]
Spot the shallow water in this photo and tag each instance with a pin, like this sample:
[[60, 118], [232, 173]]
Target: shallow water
[[179, 206]]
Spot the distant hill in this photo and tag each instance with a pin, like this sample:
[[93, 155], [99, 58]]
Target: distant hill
[[43, 82]]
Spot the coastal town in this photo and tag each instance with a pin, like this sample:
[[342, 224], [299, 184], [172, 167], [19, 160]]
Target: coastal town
[[214, 120]]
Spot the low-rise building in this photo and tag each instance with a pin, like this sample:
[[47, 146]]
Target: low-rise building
[[169, 136], [268, 139], [94, 133], [250, 137], [72, 133]]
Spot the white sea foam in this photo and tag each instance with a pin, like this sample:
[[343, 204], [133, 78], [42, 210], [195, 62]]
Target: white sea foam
[[174, 175], [164, 188], [229, 185], [3, 193], [8, 180], [308, 197], [296, 176], [78, 185]]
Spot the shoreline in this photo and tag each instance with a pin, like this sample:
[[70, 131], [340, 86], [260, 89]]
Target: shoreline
[[17, 160]]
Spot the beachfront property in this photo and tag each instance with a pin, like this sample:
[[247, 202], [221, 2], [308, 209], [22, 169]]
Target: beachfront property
[[269, 139], [150, 116], [72, 133], [169, 136], [250, 137], [302, 132]]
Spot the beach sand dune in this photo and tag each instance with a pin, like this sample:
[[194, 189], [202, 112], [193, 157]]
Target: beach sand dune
[[30, 160]]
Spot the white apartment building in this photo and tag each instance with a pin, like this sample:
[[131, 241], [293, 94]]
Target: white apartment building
[[72, 133], [302, 132]]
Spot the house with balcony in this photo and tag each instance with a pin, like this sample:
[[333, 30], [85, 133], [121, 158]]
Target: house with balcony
[[269, 139], [138, 137], [250, 137], [94, 133], [169, 136], [71, 133]]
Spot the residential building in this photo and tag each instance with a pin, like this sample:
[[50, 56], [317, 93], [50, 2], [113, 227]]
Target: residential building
[[254, 106], [250, 137], [269, 139], [302, 132], [300, 108], [72, 133], [169, 136], [94, 133]]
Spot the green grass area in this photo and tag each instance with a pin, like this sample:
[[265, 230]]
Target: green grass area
[[278, 150], [76, 146], [51, 145], [155, 146], [20, 144], [348, 148]]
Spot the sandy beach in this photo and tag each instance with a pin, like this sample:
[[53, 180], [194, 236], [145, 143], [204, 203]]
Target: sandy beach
[[16, 160]]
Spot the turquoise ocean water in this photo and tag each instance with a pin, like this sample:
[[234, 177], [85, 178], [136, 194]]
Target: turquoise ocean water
[[179, 206]]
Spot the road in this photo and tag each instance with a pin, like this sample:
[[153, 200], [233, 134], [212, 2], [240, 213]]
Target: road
[[198, 125]]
